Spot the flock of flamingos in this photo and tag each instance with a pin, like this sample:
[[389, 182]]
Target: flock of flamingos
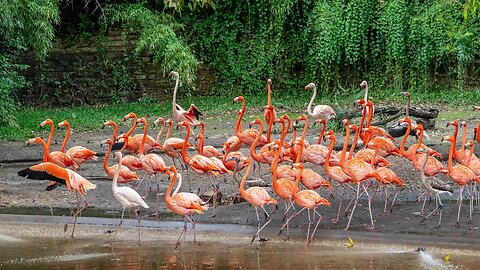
[[358, 172]]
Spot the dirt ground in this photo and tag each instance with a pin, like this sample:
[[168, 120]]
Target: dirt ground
[[18, 195]]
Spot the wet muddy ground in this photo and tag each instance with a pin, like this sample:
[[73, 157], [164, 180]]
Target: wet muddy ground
[[19, 195]]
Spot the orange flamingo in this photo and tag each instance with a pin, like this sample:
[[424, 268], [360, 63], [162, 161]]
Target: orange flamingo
[[232, 165], [461, 174], [57, 157], [359, 171], [130, 161], [464, 141], [316, 153], [74, 182], [320, 111], [233, 142], [264, 155], [374, 131], [411, 152], [129, 146], [459, 155], [433, 165], [257, 197], [179, 114], [126, 196], [79, 154], [171, 146], [269, 112], [307, 199], [246, 136], [183, 203], [335, 172], [153, 164], [385, 145], [206, 150], [125, 175]]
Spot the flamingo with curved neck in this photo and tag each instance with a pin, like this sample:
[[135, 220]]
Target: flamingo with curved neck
[[269, 112], [192, 115], [79, 154], [246, 136], [125, 174], [433, 165], [320, 111]]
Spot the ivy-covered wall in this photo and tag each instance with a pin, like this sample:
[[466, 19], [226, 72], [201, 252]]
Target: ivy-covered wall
[[100, 69]]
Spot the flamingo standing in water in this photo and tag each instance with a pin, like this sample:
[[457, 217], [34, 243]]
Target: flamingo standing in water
[[192, 115], [257, 197], [269, 112], [461, 174], [74, 182], [320, 111], [307, 199], [184, 204], [79, 154], [246, 136], [126, 196]]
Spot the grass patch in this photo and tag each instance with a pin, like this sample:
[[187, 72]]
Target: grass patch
[[222, 109]]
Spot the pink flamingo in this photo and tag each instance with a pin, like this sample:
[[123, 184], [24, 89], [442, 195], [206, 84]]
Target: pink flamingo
[[246, 136], [320, 111], [125, 175], [192, 115], [184, 204], [269, 112], [79, 154]]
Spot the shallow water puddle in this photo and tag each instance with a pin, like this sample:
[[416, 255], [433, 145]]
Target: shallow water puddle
[[47, 253]]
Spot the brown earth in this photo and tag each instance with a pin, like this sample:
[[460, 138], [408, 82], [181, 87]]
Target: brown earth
[[19, 195]]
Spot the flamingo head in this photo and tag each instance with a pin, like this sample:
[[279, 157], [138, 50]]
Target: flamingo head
[[128, 116], [463, 123], [406, 119], [118, 154], [142, 120], [298, 165], [174, 73], [109, 123], [422, 150], [476, 108], [359, 102], [183, 124], [345, 122], [320, 121], [255, 122], [309, 86], [364, 84], [34, 140], [453, 123], [158, 121], [302, 117], [407, 94], [355, 128], [63, 123], [107, 141], [239, 98], [46, 122], [469, 143], [447, 138]]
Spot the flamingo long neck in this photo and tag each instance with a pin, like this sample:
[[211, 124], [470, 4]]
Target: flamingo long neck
[[330, 150], [477, 136], [125, 143], [422, 170], [302, 140], [105, 160], [202, 125], [174, 101], [186, 158], [370, 113], [297, 180], [67, 135], [238, 128], [404, 140], [362, 121], [464, 137], [322, 131], [455, 134], [365, 97], [450, 155], [254, 155], [354, 143], [117, 173], [469, 155], [169, 131], [170, 187], [46, 150], [201, 143], [227, 151], [277, 154], [268, 90], [309, 107], [420, 138], [115, 131], [244, 179], [144, 138], [345, 146], [134, 126], [159, 136], [50, 136]]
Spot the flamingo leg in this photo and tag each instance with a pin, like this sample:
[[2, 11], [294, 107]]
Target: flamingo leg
[[335, 221], [192, 221], [141, 181], [258, 222], [369, 207], [119, 224], [51, 202], [470, 195], [386, 200], [424, 201], [288, 220], [320, 217], [184, 231], [74, 217], [138, 223], [393, 201], [460, 205], [354, 206]]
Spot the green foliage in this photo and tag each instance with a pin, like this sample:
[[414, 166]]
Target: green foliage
[[157, 36], [24, 24]]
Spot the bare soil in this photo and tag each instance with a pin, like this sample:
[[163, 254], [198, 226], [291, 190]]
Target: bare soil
[[17, 193]]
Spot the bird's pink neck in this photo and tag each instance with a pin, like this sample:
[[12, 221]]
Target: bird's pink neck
[[172, 183], [238, 128], [354, 143], [159, 136], [67, 135], [186, 158], [322, 131], [244, 178], [404, 140], [330, 150], [254, 155], [50, 136], [145, 129], [345, 146]]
